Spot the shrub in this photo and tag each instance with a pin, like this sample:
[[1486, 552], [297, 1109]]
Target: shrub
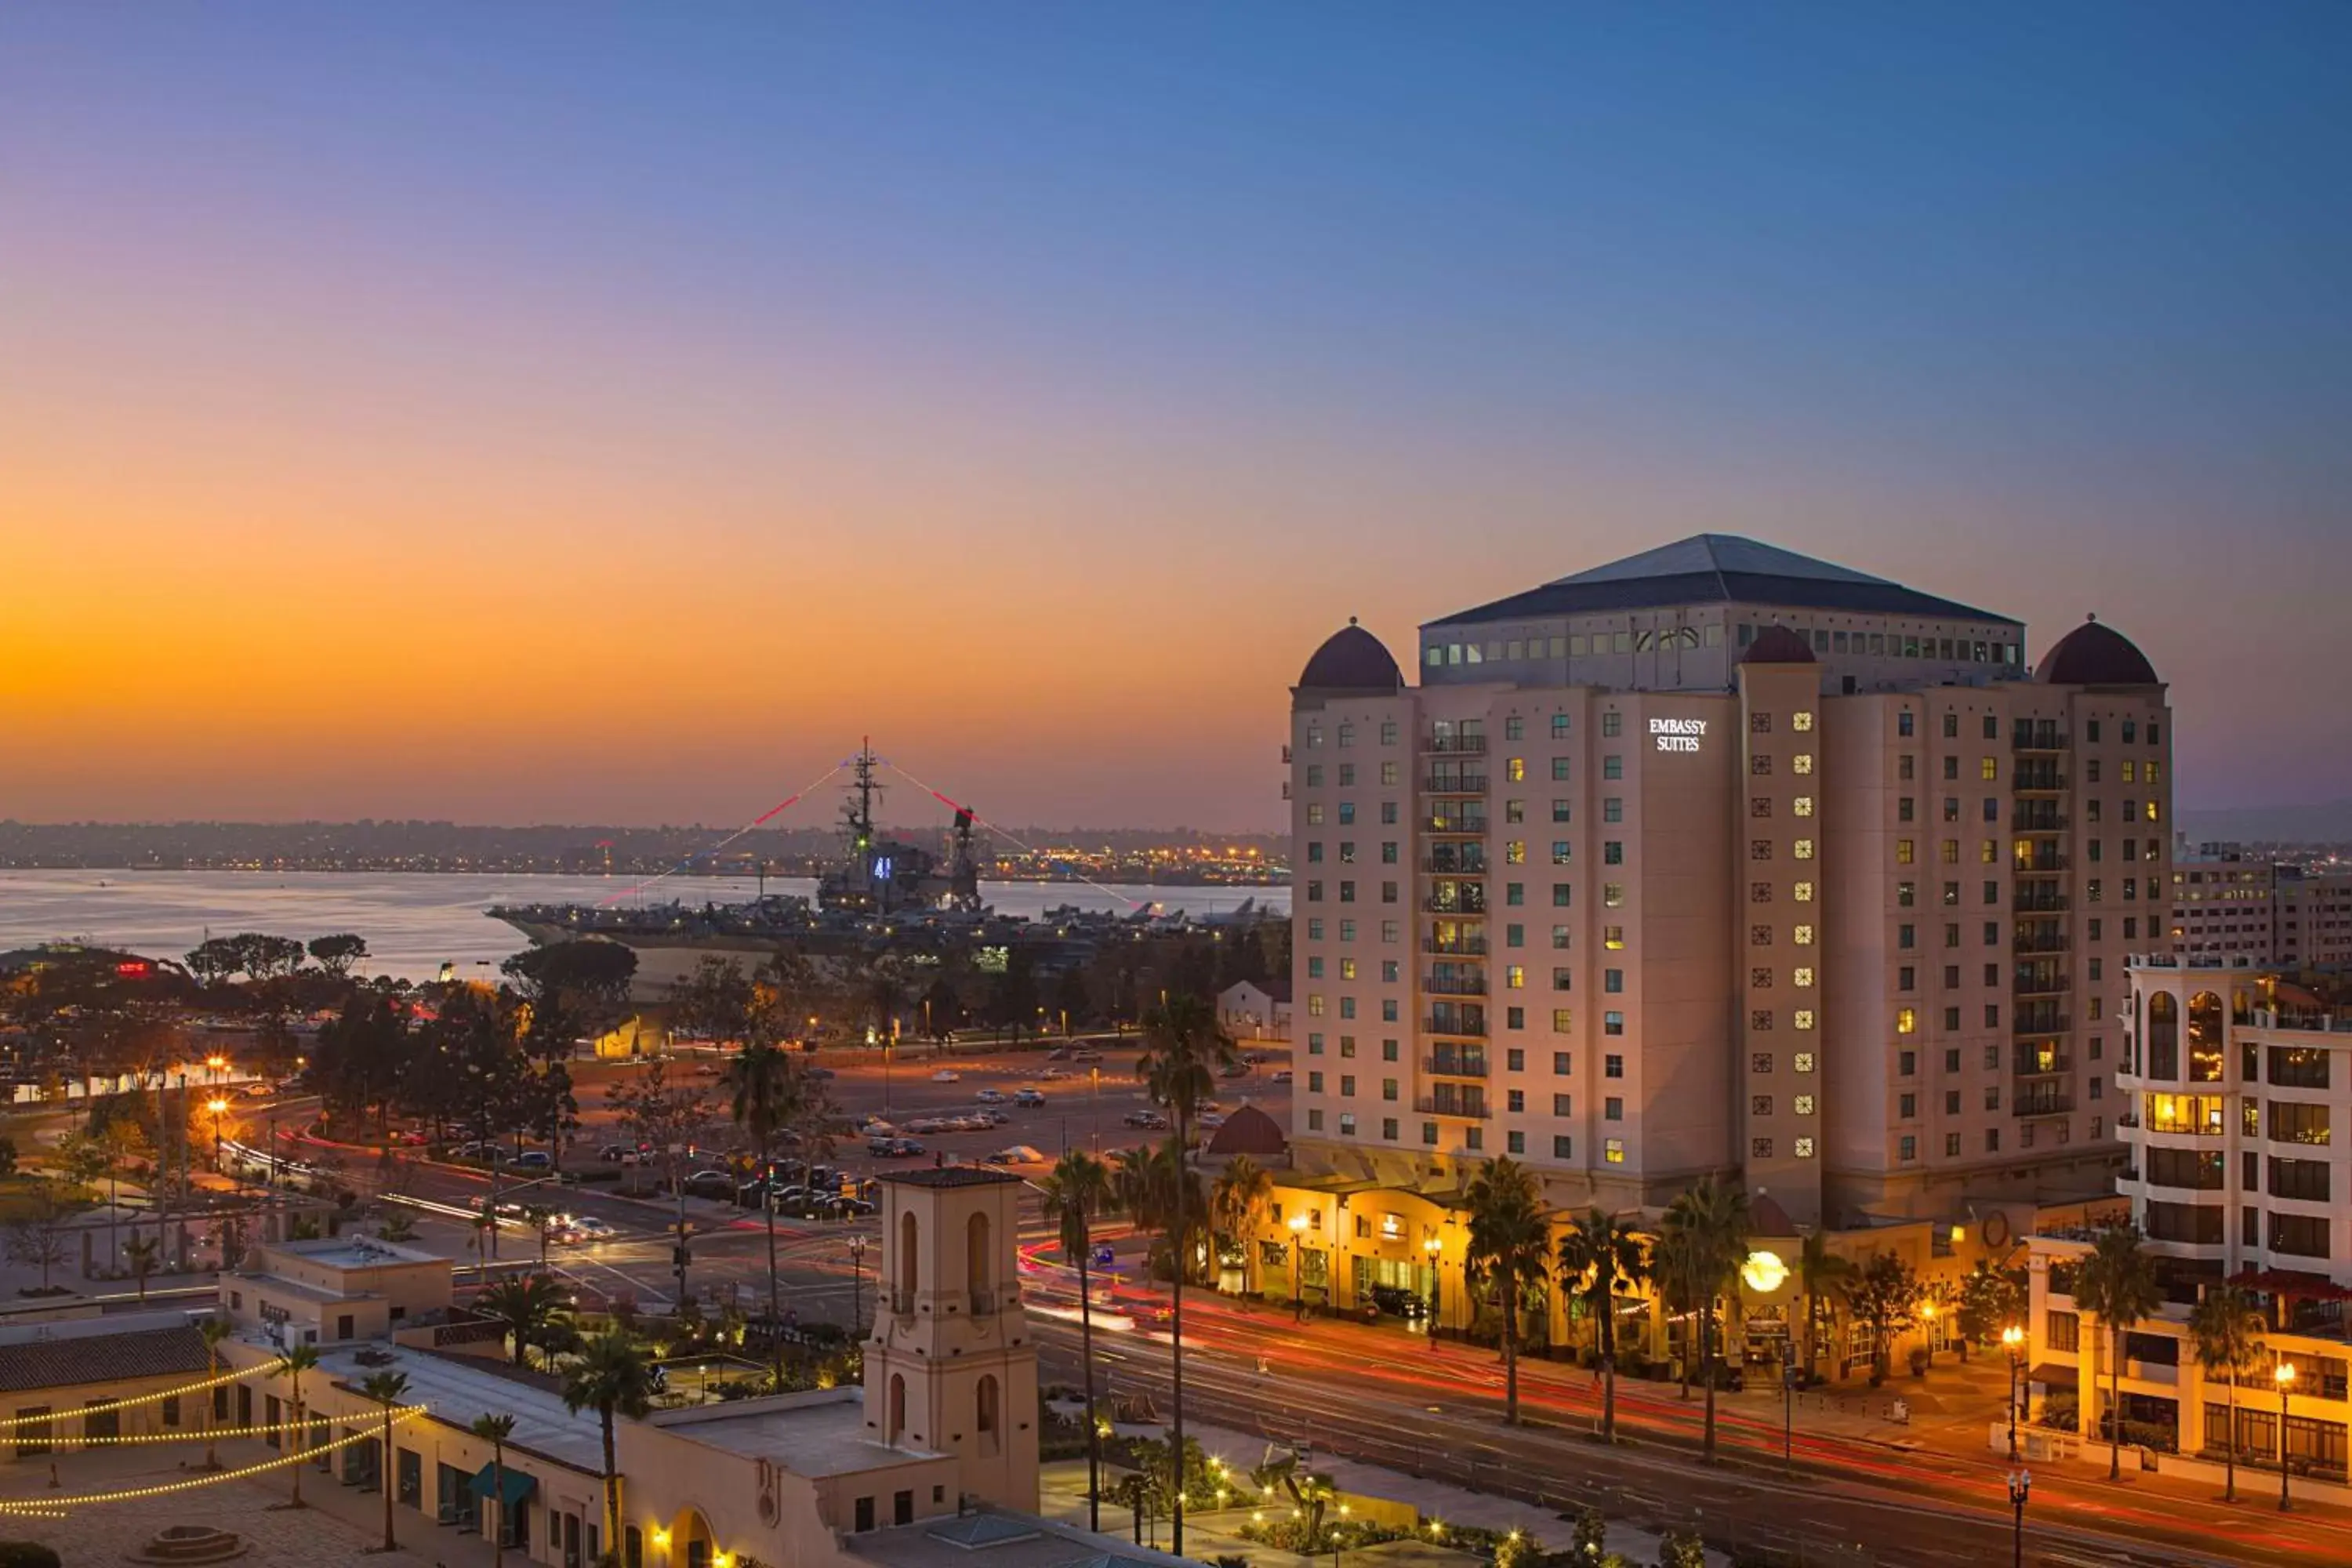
[[1680, 1549], [27, 1554]]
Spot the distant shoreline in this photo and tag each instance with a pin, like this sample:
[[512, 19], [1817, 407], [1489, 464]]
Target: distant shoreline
[[1120, 876]]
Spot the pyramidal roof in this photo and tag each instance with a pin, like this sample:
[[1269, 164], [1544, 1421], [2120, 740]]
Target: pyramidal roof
[[1721, 568]]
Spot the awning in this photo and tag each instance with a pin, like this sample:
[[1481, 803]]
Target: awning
[[517, 1485], [2055, 1373]]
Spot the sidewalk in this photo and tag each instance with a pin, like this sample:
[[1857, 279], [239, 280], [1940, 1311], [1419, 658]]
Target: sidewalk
[[1063, 1485]]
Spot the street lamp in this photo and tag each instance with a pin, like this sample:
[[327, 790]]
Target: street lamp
[[1432, 1246], [2012, 1339], [1298, 1268], [216, 1105], [857, 1284], [1927, 1329], [2020, 1486], [2284, 1374]]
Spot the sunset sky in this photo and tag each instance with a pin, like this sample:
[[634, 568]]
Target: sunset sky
[[568, 413]]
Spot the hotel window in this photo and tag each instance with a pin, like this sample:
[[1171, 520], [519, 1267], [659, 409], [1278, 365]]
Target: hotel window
[[1906, 809], [1562, 895], [1802, 850], [1515, 727], [1905, 851], [1559, 938], [1514, 977], [1561, 1023], [1802, 763], [1560, 810], [1615, 1024], [1612, 937], [1908, 1147], [1514, 893], [1613, 981], [1612, 808], [1612, 1109], [1516, 769], [1389, 773], [1562, 979], [1612, 1150], [1560, 853], [1949, 851], [1314, 739], [1347, 1006], [1314, 967], [1347, 892], [1989, 768], [1903, 726], [1314, 892], [1904, 768], [1388, 814], [1802, 936], [1612, 723], [1515, 852], [1347, 773], [1612, 852], [1347, 969], [1612, 767], [1613, 895], [1558, 722], [1514, 811], [1389, 931], [1951, 726], [1952, 769], [1389, 1128], [1314, 814]]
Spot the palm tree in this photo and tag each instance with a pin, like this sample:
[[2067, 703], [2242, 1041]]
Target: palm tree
[[495, 1430], [613, 1377], [542, 1218], [142, 1251], [1598, 1254], [1818, 1269], [1184, 1048], [1671, 1272], [2116, 1284], [2227, 1329], [1510, 1245], [215, 1329], [1076, 1189], [1241, 1193], [528, 1307], [298, 1360], [387, 1389], [1712, 1220], [766, 1091]]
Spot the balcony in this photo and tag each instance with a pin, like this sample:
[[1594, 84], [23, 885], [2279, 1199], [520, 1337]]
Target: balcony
[[1463, 745], [1457, 906], [1454, 984], [2040, 902], [2028, 1063], [1474, 1108], [1471, 946], [1455, 784], [2058, 943], [2038, 817], [2028, 983], [1461, 1025], [2047, 864], [2031, 1021], [1455, 1064], [2038, 738], [1459, 824], [2043, 1105], [2038, 779], [1445, 862]]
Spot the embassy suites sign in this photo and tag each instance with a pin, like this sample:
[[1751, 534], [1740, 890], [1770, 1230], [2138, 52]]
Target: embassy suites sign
[[1678, 734]]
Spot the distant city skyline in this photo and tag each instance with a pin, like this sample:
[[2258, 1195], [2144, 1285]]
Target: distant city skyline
[[538, 415]]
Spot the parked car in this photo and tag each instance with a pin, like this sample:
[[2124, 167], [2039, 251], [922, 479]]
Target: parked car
[[533, 1159], [1058, 1054], [710, 1184], [587, 1231], [849, 1208], [1149, 1119], [622, 1153], [989, 1096], [1252, 1058], [1086, 1054], [1282, 1076], [1051, 1075], [1032, 1098], [947, 1075], [1234, 1069]]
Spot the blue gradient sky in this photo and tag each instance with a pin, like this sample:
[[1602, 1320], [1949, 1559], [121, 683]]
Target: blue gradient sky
[[564, 412]]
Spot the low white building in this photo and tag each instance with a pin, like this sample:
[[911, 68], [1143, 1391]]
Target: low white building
[[1259, 1010]]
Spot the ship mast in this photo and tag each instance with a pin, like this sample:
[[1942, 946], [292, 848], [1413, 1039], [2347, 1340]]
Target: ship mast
[[859, 814]]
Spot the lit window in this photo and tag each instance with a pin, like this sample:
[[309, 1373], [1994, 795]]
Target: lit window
[[1515, 770], [1804, 1148], [1514, 977], [1612, 937], [1803, 1104], [1804, 1061], [1802, 763], [1613, 894], [1802, 805], [1800, 722], [1803, 1018], [1802, 850], [1802, 936], [1612, 1150], [1802, 892], [1800, 977], [1907, 1021]]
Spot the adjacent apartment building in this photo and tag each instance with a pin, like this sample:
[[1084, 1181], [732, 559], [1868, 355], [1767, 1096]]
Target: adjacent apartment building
[[1720, 857], [2234, 1079], [2232, 901]]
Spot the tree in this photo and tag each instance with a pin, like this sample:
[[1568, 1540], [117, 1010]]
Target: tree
[[142, 1251], [1076, 1189], [8, 1156], [657, 1116], [1882, 1293], [1241, 1193], [612, 1377], [1988, 1301], [766, 1091], [2226, 1328], [1680, 1549], [1184, 1045], [1598, 1255], [529, 1308], [785, 994], [298, 1360], [1818, 1269], [1311, 1495], [495, 1430], [2116, 1284], [714, 1003], [215, 1329], [1711, 1219], [387, 1389], [337, 953], [37, 1236], [1511, 1248]]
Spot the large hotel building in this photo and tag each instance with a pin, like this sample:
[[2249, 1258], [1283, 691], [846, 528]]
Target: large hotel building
[[1719, 857]]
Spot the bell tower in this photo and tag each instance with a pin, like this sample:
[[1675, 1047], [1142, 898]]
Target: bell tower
[[949, 1366]]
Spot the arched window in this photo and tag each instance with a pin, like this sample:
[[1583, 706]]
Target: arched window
[[907, 1278], [2205, 1038], [978, 1265], [898, 1408], [987, 1415], [2163, 1035]]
